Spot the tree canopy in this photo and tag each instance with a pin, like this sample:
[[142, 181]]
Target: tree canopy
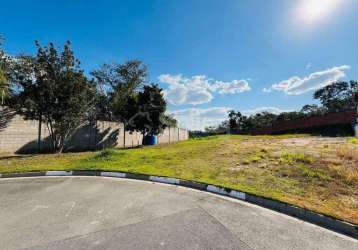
[[337, 96], [51, 87], [148, 114], [169, 120], [118, 83]]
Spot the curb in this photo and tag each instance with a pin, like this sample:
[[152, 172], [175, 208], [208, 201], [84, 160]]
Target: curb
[[300, 213]]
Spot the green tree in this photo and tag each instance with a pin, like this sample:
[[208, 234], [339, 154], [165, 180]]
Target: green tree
[[147, 117], [232, 120], [263, 119], [222, 128], [6, 114], [120, 84], [235, 121], [3, 86], [247, 124], [102, 109], [312, 110], [4, 82], [338, 96], [52, 89], [169, 120]]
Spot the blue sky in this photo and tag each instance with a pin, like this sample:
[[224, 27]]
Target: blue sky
[[209, 55]]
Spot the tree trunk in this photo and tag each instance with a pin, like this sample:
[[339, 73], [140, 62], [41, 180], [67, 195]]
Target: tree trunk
[[60, 144], [39, 134], [60, 149]]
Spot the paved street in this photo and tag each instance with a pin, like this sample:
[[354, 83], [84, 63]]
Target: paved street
[[108, 213]]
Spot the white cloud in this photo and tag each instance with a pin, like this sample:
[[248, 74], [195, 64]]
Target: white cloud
[[199, 119], [297, 86], [233, 87], [273, 110], [267, 90], [198, 89]]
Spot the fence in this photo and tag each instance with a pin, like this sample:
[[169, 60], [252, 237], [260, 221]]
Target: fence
[[20, 136], [340, 119]]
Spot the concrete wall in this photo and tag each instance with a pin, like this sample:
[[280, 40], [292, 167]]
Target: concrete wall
[[20, 136]]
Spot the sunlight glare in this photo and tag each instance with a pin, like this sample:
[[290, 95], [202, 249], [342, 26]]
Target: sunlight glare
[[313, 10]]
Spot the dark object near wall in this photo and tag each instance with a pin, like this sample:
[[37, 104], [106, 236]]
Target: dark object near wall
[[150, 140]]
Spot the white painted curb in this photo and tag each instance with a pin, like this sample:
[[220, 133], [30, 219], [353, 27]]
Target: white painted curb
[[238, 195], [217, 190], [58, 173], [113, 174], [164, 180]]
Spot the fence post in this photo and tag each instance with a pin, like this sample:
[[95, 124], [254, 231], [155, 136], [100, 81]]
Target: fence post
[[169, 134]]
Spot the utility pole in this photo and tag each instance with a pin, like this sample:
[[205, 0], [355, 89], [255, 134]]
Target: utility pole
[[355, 96]]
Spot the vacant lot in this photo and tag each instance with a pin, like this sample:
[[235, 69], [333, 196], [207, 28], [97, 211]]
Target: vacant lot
[[312, 172]]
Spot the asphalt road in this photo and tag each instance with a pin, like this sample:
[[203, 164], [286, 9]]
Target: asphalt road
[[108, 213]]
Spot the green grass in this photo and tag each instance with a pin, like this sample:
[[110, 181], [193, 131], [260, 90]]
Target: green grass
[[353, 140], [262, 165], [294, 158]]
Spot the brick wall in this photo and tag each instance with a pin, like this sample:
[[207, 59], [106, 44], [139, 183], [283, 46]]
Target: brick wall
[[20, 136]]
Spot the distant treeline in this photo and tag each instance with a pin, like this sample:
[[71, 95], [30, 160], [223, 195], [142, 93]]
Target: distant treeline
[[334, 98]]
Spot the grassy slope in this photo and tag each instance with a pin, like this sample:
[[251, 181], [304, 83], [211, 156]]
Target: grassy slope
[[320, 177]]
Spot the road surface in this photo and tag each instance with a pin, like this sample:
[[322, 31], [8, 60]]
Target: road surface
[[109, 213]]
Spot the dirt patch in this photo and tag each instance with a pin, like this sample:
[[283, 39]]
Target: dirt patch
[[312, 141]]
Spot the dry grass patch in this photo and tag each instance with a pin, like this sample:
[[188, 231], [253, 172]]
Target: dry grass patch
[[348, 153]]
